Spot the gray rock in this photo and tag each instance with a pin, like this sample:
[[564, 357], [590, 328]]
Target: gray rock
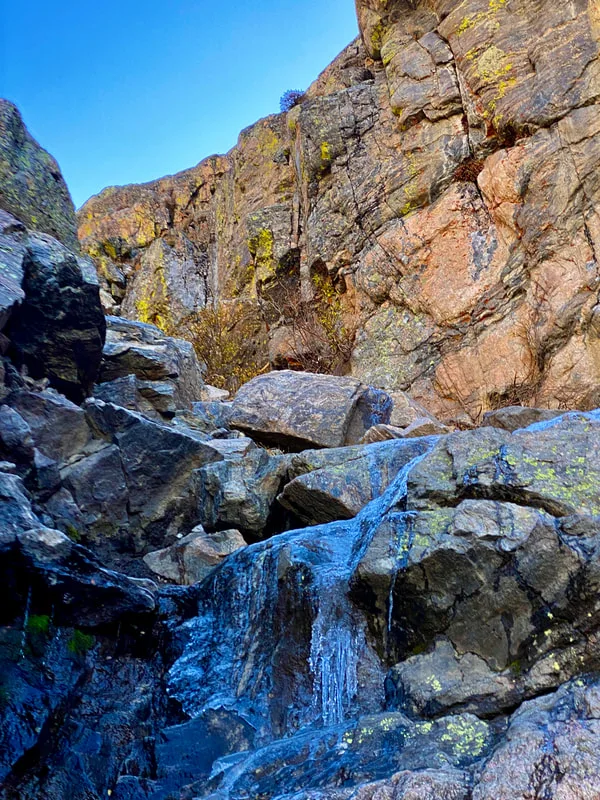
[[16, 441], [300, 409], [240, 493], [429, 784], [195, 556], [350, 478], [57, 328], [512, 418], [135, 348], [552, 743], [126, 392], [12, 259], [58, 426], [157, 461], [512, 594], [420, 426], [31, 186], [210, 394], [16, 514], [84, 592], [556, 467], [99, 489]]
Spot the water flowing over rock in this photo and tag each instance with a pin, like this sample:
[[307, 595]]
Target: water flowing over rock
[[244, 600]]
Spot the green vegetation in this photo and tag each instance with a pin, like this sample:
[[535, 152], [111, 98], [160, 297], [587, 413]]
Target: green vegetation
[[80, 643]]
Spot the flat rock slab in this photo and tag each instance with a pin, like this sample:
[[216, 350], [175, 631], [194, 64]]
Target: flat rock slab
[[297, 410]]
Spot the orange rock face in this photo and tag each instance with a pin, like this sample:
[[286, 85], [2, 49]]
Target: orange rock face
[[442, 177]]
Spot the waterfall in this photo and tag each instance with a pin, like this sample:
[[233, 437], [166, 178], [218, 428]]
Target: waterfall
[[243, 621]]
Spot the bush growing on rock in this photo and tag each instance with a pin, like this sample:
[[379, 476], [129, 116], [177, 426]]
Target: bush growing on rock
[[291, 98], [227, 339]]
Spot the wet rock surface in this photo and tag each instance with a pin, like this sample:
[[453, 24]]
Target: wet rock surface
[[412, 619]]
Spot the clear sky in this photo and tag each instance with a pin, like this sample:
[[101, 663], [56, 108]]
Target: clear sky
[[123, 91]]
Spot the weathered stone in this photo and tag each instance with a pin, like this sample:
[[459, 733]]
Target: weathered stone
[[440, 176], [126, 392], [350, 478], [195, 556], [552, 745], [421, 426], [84, 591], [16, 441], [240, 493], [12, 259], [58, 427], [57, 328], [157, 463], [512, 418], [133, 348], [211, 394], [430, 784], [16, 514], [300, 409], [370, 748], [98, 485], [31, 185], [556, 468], [494, 578]]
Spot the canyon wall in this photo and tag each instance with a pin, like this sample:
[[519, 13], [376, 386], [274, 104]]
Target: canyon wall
[[437, 190]]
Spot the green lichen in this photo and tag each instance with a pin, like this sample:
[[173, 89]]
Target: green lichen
[[38, 623], [376, 39], [434, 683], [80, 643], [326, 155], [492, 65], [72, 532], [468, 22], [467, 738]]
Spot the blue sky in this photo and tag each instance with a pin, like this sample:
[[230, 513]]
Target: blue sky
[[128, 91]]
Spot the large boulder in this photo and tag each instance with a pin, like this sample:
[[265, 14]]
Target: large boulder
[[31, 185], [148, 468], [240, 493], [50, 309], [83, 591], [485, 589], [334, 484], [168, 373], [301, 409]]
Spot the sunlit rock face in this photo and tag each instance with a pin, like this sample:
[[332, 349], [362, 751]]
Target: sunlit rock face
[[258, 598], [442, 172]]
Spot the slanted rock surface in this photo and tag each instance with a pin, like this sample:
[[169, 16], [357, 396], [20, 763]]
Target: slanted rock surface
[[167, 372], [31, 185]]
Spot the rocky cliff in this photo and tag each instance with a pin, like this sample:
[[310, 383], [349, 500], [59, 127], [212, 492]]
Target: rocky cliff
[[313, 590], [435, 194]]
